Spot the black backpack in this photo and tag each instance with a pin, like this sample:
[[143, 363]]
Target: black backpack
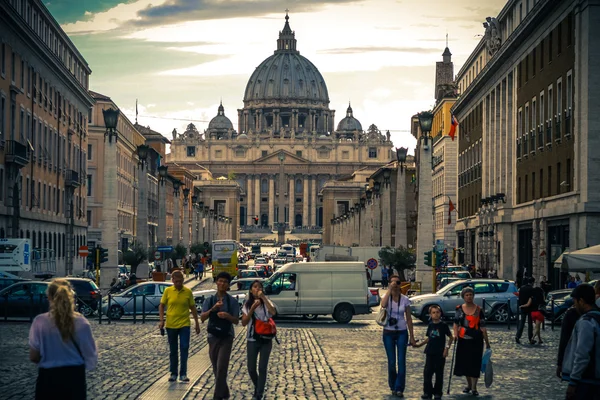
[[219, 327]]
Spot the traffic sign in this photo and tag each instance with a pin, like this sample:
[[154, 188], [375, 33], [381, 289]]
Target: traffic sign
[[372, 263], [83, 251], [164, 248], [157, 255]]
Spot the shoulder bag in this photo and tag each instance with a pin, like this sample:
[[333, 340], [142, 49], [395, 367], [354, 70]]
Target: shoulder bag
[[264, 329], [382, 315], [219, 327]]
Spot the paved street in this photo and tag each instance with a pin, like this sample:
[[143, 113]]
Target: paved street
[[315, 360]]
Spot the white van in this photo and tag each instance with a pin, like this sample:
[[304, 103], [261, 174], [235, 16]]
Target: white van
[[320, 288]]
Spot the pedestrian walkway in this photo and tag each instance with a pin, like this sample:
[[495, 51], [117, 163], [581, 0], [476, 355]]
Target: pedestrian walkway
[[192, 282]]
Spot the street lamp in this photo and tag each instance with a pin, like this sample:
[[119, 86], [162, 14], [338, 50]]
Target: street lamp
[[195, 199], [363, 202], [376, 187], [401, 153], [186, 192], [425, 122], [142, 152], [162, 172], [387, 173], [111, 117], [369, 194], [176, 186]]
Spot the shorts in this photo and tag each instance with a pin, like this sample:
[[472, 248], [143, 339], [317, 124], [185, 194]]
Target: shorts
[[537, 316]]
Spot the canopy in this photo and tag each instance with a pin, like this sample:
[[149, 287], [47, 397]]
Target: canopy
[[583, 260]]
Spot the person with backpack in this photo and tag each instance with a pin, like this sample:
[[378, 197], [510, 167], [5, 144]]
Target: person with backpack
[[257, 315], [581, 363], [222, 312]]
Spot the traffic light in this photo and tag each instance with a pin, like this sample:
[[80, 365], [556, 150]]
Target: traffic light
[[103, 255], [255, 220], [428, 255], [91, 259]]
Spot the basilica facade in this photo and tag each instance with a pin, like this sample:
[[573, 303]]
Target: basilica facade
[[286, 145]]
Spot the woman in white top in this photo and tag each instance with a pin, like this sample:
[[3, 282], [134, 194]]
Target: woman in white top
[[61, 343], [396, 334], [258, 306]]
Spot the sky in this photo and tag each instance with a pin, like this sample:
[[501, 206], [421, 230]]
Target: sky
[[180, 58]]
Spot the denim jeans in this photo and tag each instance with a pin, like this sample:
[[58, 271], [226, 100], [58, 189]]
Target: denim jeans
[[259, 378], [396, 343], [184, 343]]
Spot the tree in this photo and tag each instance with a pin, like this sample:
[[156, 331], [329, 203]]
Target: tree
[[197, 248], [399, 258], [179, 252], [231, 176], [135, 257]]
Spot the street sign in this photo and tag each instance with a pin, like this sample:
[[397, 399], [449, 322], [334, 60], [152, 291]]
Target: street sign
[[164, 248], [372, 263], [83, 251], [157, 255]]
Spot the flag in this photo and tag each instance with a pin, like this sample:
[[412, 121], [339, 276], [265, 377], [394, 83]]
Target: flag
[[454, 124], [450, 209]]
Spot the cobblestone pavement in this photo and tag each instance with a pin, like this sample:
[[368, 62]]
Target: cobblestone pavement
[[316, 360]]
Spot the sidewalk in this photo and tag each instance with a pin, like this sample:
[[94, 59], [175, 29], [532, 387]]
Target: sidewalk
[[191, 282]]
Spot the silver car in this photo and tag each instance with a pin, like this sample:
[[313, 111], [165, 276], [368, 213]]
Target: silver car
[[238, 289], [497, 294], [143, 298]]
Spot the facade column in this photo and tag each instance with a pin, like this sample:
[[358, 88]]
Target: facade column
[[195, 224], [377, 220], [291, 198], [386, 223], [361, 227], [249, 200], [356, 227], [207, 226], [305, 200], [110, 224], [314, 206], [162, 212], [257, 196], [401, 234], [186, 223], [142, 215], [176, 216], [424, 273], [271, 212]]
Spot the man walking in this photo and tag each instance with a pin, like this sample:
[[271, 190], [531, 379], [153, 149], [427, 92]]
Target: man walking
[[581, 363], [525, 307], [179, 301], [222, 311]]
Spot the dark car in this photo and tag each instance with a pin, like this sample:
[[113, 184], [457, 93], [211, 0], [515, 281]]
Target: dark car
[[87, 295], [24, 299], [6, 282], [557, 303]]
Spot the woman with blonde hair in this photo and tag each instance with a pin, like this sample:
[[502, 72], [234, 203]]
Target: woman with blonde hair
[[61, 343]]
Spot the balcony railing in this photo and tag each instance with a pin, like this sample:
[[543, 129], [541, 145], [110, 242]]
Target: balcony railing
[[568, 124], [548, 133], [518, 149], [72, 178], [532, 134], [557, 130], [540, 133], [17, 153]]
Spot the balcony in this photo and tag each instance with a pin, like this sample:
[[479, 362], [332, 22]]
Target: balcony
[[548, 133], [568, 123], [72, 178], [557, 131], [17, 153], [540, 134]]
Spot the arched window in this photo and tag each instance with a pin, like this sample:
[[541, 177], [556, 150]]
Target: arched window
[[45, 242], [298, 185], [40, 243], [264, 186], [54, 243], [64, 245], [28, 234]]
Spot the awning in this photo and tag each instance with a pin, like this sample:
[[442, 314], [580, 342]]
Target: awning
[[584, 260], [559, 261]]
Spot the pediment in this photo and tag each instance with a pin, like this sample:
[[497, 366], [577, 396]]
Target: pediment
[[273, 158]]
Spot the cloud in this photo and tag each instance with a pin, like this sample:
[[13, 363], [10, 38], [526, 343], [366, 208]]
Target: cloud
[[177, 11], [70, 11], [371, 49]]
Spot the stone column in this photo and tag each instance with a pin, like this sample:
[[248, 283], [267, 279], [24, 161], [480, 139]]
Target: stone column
[[314, 207], [291, 198], [424, 273], [257, 190], [207, 226], [386, 223], [356, 228], [249, 201], [271, 212], [142, 215], [176, 217], [401, 234], [195, 224], [110, 224], [162, 212], [376, 220], [305, 200], [186, 223]]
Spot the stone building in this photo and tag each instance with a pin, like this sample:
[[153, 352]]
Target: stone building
[[526, 177], [44, 102], [285, 122]]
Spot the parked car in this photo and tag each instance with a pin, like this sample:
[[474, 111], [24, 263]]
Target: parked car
[[496, 292], [147, 299], [453, 274], [260, 270], [260, 260], [562, 301], [239, 289], [6, 282], [247, 273], [87, 295], [374, 297], [24, 299]]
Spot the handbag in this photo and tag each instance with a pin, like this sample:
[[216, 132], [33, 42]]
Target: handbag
[[219, 327], [489, 374], [264, 329], [382, 317]]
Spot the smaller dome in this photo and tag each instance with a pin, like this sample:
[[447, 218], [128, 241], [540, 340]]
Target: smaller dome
[[323, 137], [349, 123], [243, 136], [220, 122]]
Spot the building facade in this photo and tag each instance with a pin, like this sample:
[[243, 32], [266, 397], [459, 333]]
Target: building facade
[[530, 104], [44, 103], [285, 120]]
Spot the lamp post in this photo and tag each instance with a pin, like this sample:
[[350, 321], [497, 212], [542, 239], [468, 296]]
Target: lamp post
[[162, 204], [424, 273], [376, 213], [194, 218], [281, 201], [110, 223], [386, 207], [142, 210], [401, 236], [186, 218], [370, 234], [176, 213]]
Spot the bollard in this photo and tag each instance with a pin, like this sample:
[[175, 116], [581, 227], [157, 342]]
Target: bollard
[[509, 311], [552, 319], [6, 306], [100, 310], [143, 309], [30, 307], [134, 309], [108, 308]]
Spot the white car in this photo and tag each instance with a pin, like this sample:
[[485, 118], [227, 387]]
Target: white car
[[260, 260]]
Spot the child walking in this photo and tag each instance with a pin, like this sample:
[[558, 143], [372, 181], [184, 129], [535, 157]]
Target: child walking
[[435, 353]]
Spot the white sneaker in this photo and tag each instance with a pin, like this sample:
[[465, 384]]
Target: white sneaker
[[184, 378]]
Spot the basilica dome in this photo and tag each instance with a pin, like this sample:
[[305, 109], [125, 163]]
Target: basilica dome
[[220, 122], [349, 123], [286, 77]]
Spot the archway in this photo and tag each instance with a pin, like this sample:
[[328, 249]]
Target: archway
[[298, 220], [264, 220]]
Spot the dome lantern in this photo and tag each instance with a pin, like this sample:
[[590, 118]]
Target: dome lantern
[[287, 38]]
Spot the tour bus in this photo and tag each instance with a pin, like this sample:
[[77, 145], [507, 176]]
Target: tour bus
[[289, 249], [224, 257]]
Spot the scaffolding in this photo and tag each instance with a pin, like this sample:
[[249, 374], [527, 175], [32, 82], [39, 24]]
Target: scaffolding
[[43, 263]]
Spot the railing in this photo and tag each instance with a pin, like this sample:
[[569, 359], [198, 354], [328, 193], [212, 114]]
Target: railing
[[532, 134], [548, 133], [540, 131], [72, 178], [568, 123], [498, 309], [16, 152], [558, 131]]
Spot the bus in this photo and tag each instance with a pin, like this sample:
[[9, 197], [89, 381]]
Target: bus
[[288, 249], [224, 257], [255, 249]]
